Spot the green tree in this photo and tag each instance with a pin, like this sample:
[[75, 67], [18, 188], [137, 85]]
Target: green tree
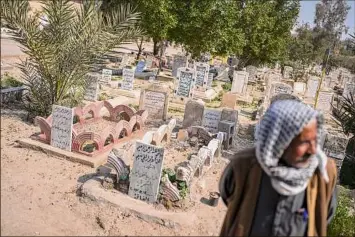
[[266, 26], [64, 50]]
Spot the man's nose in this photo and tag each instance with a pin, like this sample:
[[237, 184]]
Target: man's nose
[[312, 149]]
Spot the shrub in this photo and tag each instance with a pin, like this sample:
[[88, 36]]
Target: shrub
[[227, 86], [9, 81]]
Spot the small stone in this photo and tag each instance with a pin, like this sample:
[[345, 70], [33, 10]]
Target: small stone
[[193, 141], [182, 135]]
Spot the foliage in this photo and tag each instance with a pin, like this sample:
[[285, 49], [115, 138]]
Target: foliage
[[183, 189], [9, 81], [227, 86], [343, 221], [170, 173], [345, 113], [64, 50]]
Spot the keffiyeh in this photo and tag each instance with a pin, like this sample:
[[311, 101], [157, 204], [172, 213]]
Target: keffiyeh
[[281, 123]]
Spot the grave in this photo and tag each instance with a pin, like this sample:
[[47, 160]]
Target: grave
[[156, 102], [299, 88], [287, 72], [240, 81], [252, 71], [92, 133], [349, 89], [106, 76], [211, 118], [201, 74], [324, 102], [193, 115], [179, 62], [312, 87], [140, 67], [184, 85]]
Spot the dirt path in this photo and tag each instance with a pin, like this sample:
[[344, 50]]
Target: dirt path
[[38, 196]]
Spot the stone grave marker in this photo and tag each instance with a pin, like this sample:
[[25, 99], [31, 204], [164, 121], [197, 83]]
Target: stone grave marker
[[106, 75], [128, 79], [62, 127], [312, 87], [240, 81], [280, 88], [299, 87], [149, 62], [185, 82], [349, 88], [140, 67], [334, 146], [211, 118], [324, 102], [155, 102], [201, 70], [92, 87], [252, 70], [287, 72], [326, 82], [179, 61], [209, 81], [193, 115], [146, 172]]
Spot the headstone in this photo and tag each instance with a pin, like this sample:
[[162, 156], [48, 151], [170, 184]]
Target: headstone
[[179, 61], [211, 119], [232, 61], [201, 70], [324, 102], [287, 72], [252, 70], [155, 102], [140, 67], [299, 87], [124, 61], [280, 88], [312, 87], [149, 62], [128, 79], [209, 81], [185, 82], [326, 82], [106, 75], [193, 115], [240, 81], [146, 172], [349, 89], [62, 127], [92, 88]]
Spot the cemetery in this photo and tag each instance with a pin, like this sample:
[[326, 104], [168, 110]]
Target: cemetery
[[119, 133]]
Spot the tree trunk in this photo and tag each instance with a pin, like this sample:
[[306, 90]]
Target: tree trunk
[[139, 45], [155, 47]]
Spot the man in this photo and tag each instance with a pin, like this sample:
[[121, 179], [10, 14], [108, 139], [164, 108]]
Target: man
[[285, 186]]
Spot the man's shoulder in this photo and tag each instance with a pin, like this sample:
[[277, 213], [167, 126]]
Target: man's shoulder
[[245, 156]]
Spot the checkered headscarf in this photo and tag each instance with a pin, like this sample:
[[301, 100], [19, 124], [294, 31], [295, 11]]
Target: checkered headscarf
[[282, 122]]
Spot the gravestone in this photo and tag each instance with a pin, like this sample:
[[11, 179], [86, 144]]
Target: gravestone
[[62, 127], [231, 115], [349, 89], [155, 102], [312, 87], [193, 115], [299, 87], [140, 67], [232, 61], [280, 88], [149, 62], [201, 70], [179, 61], [185, 82], [211, 119], [252, 70], [287, 72], [326, 82], [128, 79], [146, 172], [106, 75], [124, 61], [240, 81], [324, 102], [92, 87], [209, 81]]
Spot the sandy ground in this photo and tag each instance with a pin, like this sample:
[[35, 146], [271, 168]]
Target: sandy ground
[[38, 195]]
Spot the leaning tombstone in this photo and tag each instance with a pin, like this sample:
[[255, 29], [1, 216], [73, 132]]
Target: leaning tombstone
[[146, 172], [128, 79], [92, 87], [106, 76], [62, 127]]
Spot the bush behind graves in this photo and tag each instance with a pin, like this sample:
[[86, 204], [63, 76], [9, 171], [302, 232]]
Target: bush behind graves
[[62, 50], [9, 81]]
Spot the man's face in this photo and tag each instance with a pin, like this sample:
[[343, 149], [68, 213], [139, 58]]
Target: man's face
[[302, 146]]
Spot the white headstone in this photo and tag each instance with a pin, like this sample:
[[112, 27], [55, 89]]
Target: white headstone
[[92, 88], [299, 87], [146, 172], [240, 81], [185, 82], [106, 75], [324, 101], [202, 70], [312, 87], [149, 62], [179, 61], [211, 119], [124, 61], [280, 88], [252, 70], [62, 127], [210, 80], [128, 79]]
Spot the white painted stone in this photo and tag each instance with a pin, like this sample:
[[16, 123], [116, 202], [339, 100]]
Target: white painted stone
[[201, 70], [324, 101], [62, 127], [185, 82], [128, 79], [106, 75]]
